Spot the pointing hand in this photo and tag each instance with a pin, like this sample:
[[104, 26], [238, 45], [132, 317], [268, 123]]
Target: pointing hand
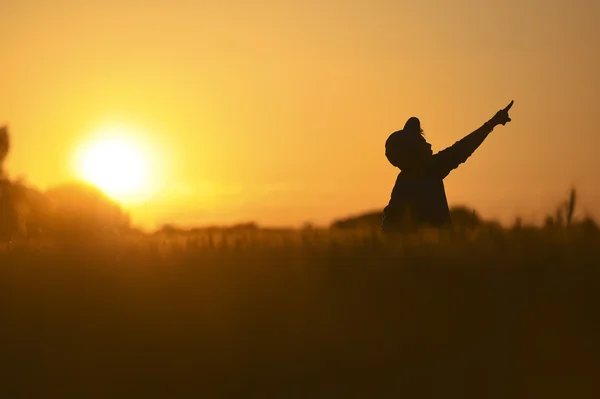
[[501, 117]]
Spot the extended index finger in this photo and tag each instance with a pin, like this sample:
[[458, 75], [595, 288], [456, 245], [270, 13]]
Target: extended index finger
[[509, 106]]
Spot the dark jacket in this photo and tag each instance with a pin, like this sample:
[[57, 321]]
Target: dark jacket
[[421, 200]]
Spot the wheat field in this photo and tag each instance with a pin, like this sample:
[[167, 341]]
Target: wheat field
[[307, 313]]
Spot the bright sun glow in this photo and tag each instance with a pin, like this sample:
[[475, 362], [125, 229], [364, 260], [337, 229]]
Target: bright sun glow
[[117, 165]]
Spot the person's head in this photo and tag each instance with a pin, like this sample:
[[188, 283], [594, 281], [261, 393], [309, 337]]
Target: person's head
[[407, 149]]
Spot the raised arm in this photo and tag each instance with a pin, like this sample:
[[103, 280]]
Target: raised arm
[[447, 160]]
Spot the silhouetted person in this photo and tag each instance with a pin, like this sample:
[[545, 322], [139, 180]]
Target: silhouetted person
[[419, 197]]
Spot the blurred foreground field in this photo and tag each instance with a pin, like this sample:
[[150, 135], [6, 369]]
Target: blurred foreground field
[[313, 313]]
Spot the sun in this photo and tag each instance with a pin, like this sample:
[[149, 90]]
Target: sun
[[116, 164]]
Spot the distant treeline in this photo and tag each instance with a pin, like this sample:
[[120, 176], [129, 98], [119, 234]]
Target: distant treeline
[[461, 216], [464, 217], [77, 210], [71, 210]]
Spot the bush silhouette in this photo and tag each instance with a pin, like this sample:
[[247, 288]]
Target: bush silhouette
[[4, 147], [83, 209], [462, 217]]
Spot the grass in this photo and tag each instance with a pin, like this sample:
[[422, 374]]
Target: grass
[[314, 313]]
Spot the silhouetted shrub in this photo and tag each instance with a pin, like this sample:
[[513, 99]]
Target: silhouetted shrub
[[368, 220], [461, 216], [83, 209], [10, 222]]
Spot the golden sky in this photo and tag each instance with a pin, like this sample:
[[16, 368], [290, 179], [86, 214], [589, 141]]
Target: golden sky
[[278, 111]]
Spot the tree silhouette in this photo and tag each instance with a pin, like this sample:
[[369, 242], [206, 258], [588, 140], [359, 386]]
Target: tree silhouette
[[9, 220], [461, 216], [83, 209], [464, 217], [4, 147]]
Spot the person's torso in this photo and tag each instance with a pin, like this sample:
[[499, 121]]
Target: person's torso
[[417, 201]]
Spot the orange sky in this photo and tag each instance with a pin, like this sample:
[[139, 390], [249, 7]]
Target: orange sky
[[278, 112]]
